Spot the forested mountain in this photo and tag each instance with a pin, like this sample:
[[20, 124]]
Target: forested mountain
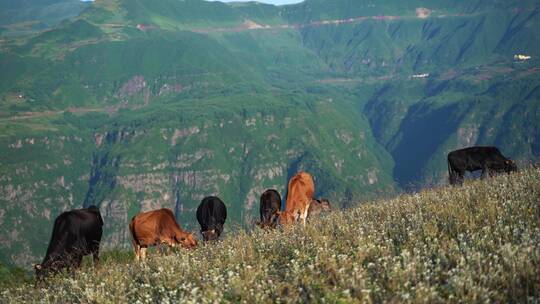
[[138, 104], [24, 17]]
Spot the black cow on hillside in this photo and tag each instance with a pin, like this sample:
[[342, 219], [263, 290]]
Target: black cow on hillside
[[488, 159], [211, 215], [76, 233], [269, 208]]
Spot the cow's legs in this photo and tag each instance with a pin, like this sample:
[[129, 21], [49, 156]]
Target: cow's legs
[[94, 250], [297, 215], [162, 247], [143, 253], [95, 256], [75, 261], [137, 253], [485, 173], [170, 248], [166, 248], [453, 178], [304, 215], [137, 250], [459, 177]]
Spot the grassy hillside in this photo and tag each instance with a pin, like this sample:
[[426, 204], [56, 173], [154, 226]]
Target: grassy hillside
[[476, 243]]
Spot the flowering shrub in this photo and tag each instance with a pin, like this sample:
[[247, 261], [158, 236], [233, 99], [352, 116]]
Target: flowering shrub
[[476, 243]]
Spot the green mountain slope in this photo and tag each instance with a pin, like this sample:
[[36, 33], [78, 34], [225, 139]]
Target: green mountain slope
[[473, 85], [28, 16], [135, 105]]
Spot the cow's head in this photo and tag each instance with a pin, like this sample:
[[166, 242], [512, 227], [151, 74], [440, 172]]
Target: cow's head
[[269, 222], [41, 272], [267, 225], [186, 240], [49, 267], [262, 224], [210, 235], [510, 166], [325, 204], [286, 218]]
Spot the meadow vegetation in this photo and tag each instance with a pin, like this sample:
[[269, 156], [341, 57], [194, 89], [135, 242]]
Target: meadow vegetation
[[475, 243]]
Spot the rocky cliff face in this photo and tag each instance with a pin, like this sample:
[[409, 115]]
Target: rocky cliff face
[[128, 168], [41, 176]]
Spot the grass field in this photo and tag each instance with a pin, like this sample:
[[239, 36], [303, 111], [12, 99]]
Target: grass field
[[470, 244]]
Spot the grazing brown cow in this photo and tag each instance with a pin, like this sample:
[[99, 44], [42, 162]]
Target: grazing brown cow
[[299, 196], [318, 206], [157, 227]]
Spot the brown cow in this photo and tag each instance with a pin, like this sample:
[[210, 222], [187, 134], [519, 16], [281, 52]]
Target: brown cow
[[299, 196], [318, 206], [157, 227]]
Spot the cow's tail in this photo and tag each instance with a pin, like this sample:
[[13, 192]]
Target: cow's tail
[[132, 230], [95, 209], [452, 174], [131, 227], [100, 218]]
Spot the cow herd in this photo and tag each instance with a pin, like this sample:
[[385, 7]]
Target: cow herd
[[77, 233]]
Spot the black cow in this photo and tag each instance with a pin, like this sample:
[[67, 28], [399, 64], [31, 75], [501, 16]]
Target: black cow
[[488, 159], [269, 208], [211, 215], [76, 233]]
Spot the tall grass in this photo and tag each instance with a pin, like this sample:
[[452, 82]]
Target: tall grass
[[476, 243]]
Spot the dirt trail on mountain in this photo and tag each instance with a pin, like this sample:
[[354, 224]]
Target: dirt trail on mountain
[[31, 115], [420, 14], [249, 25]]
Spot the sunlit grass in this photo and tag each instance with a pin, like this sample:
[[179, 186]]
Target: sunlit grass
[[476, 243]]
